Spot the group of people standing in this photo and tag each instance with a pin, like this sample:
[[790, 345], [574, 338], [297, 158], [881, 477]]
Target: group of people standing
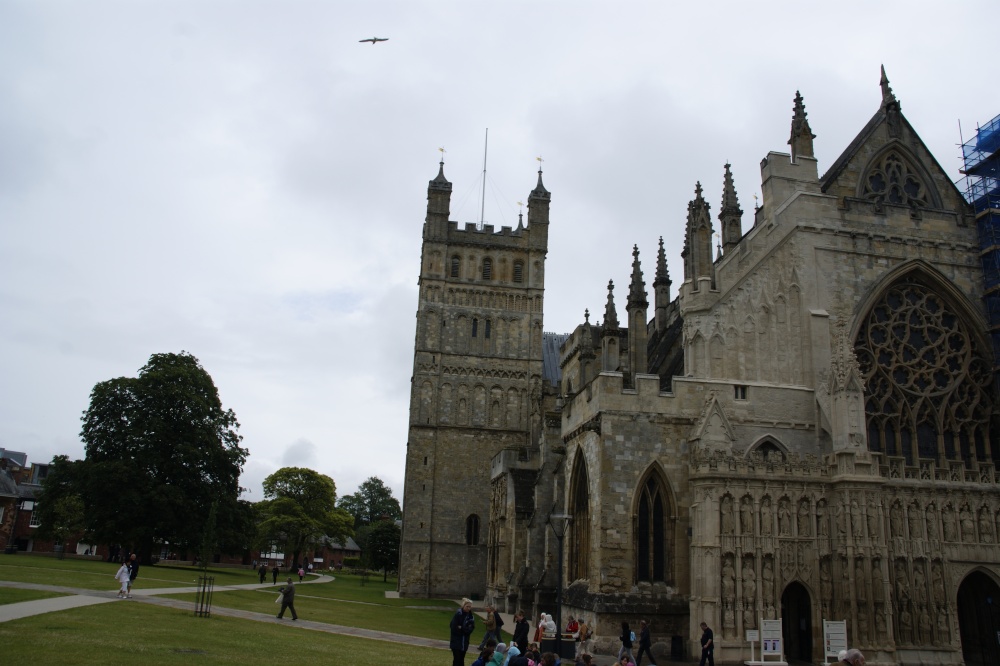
[[126, 576]]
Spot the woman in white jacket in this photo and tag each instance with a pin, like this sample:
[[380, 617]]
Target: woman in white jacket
[[123, 577]]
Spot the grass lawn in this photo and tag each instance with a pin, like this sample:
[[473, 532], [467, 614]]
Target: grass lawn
[[95, 575], [137, 633], [12, 595]]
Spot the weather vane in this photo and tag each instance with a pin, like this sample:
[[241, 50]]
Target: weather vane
[[755, 206], [540, 160]]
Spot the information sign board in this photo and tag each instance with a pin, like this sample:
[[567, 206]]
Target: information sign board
[[834, 637], [770, 637]]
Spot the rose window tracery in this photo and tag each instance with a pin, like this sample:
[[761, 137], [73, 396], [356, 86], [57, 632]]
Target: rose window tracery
[[927, 388], [892, 180]]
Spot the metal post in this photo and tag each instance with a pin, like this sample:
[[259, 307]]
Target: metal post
[[559, 523]]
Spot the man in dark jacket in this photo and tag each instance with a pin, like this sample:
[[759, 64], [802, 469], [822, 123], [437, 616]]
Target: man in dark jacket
[[462, 625], [133, 573], [288, 599], [645, 644], [521, 628], [707, 646]]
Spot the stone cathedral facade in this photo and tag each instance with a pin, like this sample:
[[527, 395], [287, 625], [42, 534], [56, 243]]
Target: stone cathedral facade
[[807, 429]]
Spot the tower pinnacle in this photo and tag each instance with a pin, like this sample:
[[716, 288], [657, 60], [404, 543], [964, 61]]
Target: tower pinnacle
[[610, 312], [802, 137], [730, 215]]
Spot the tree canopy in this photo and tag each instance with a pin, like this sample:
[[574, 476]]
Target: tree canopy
[[380, 546], [372, 502], [300, 510], [160, 449], [59, 506]]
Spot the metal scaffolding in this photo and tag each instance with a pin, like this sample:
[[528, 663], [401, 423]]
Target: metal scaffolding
[[981, 155]]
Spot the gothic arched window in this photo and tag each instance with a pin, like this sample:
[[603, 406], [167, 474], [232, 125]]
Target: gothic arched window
[[894, 180], [579, 545], [518, 271], [487, 269], [652, 535], [472, 530], [455, 265], [928, 388]]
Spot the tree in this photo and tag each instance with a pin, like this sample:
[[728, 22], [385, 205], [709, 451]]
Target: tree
[[159, 450], [59, 506], [300, 510], [372, 502], [380, 547]]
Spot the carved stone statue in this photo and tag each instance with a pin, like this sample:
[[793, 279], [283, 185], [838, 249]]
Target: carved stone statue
[[804, 518], [937, 583], [919, 584], [746, 516], [728, 526], [879, 626], [985, 526], [767, 581], [902, 585], [822, 520], [968, 526], [905, 626], [765, 517], [769, 611], [729, 618], [863, 623], [872, 518], [878, 584], [950, 526], [896, 520], [749, 587], [825, 581], [914, 522], [941, 635], [841, 521], [924, 625], [857, 520], [933, 531], [860, 591], [728, 580], [784, 517]]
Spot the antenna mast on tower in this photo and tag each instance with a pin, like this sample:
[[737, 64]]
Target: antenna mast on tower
[[482, 203]]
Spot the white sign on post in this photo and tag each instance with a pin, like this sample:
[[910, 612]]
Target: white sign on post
[[834, 637], [770, 637]]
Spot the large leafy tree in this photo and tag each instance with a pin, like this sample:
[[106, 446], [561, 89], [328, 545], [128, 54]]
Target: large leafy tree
[[300, 510], [160, 449], [371, 503], [60, 507], [380, 546]]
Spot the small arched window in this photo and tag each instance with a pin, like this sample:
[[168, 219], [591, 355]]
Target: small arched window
[[455, 266], [472, 530], [486, 333], [475, 327], [487, 269], [518, 271]]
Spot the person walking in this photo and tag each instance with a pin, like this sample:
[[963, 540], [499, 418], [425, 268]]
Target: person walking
[[493, 624], [123, 579], [262, 572], [288, 599], [583, 638], [133, 572], [645, 644], [463, 623], [302, 572], [707, 646], [627, 637], [521, 628], [274, 574]]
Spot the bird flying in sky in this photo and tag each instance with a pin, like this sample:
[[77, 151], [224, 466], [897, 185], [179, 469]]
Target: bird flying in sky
[[374, 40]]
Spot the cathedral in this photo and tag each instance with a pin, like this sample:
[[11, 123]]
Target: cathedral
[[803, 430]]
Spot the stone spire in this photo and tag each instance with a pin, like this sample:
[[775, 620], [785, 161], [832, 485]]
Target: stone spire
[[887, 95], [586, 350], [698, 241], [802, 137], [890, 106], [538, 215], [610, 352], [637, 288], [610, 313], [661, 288], [730, 215], [438, 206], [638, 335]]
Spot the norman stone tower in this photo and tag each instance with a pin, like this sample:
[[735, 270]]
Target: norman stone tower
[[476, 385]]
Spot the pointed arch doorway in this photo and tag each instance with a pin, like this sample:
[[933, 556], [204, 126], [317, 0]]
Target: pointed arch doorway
[[796, 623], [979, 619]]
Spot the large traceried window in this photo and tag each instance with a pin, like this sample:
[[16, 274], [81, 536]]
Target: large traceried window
[[579, 545], [927, 387], [652, 531], [472, 530]]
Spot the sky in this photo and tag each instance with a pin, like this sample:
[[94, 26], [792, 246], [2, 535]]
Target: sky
[[246, 182]]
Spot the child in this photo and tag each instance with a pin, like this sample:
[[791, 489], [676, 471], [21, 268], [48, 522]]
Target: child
[[123, 577]]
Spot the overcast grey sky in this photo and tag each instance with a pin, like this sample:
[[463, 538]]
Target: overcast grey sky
[[247, 182]]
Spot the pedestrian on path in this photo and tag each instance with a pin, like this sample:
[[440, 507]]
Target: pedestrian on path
[[302, 572], [521, 628], [274, 575], [133, 572], [123, 580], [463, 623], [707, 646], [262, 572], [288, 599]]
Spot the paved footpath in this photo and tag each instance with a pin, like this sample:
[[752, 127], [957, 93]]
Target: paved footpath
[[79, 597]]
